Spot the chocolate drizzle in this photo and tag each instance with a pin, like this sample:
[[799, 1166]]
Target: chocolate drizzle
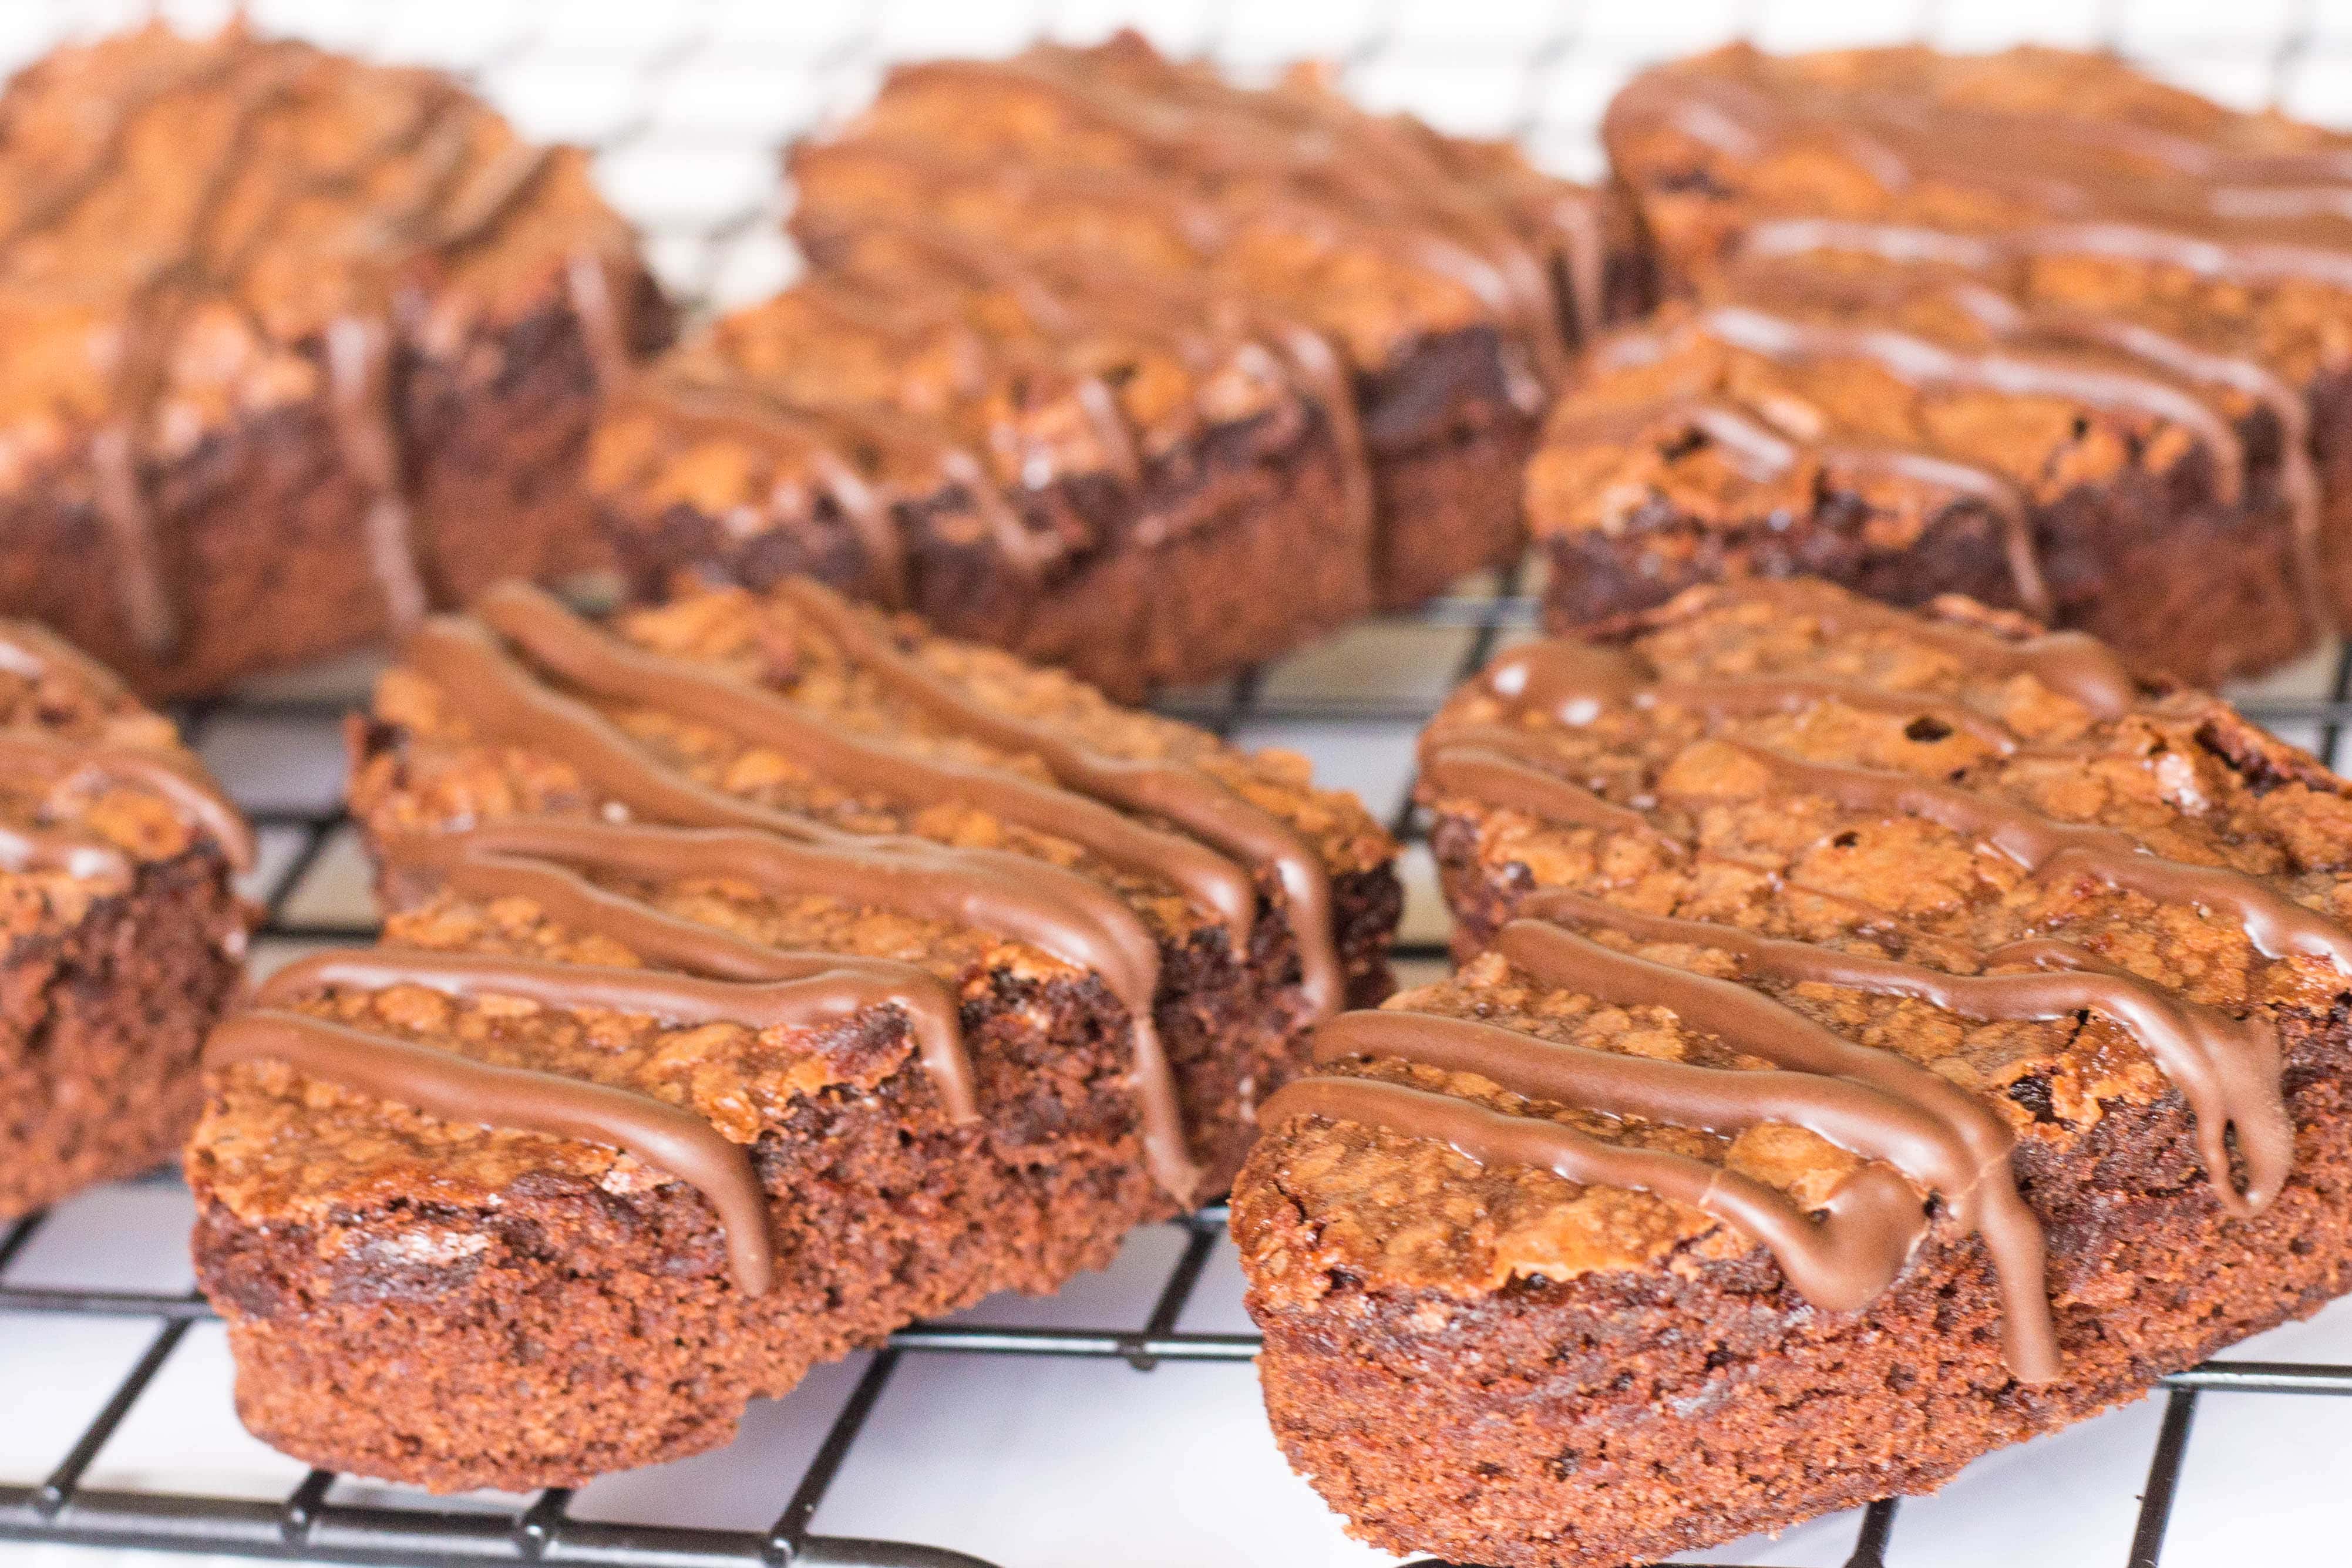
[[2226, 1068], [1188, 795], [32, 652], [555, 639], [456, 1088], [724, 836], [1764, 454], [245, 196]]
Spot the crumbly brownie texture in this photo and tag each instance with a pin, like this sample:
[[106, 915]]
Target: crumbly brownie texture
[[2049, 968], [1098, 347], [762, 974], [2027, 327], [125, 937], [286, 335]]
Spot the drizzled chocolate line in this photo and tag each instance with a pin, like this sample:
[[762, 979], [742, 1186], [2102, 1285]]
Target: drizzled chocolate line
[[2050, 849], [1572, 683], [456, 1088], [1189, 796], [2003, 257], [2071, 664], [198, 801], [1060, 912], [570, 900], [1763, 453], [2134, 384], [355, 347], [1751, 1022], [32, 653], [552, 637], [1185, 315], [747, 414], [2226, 1068], [1839, 1262], [1506, 767]]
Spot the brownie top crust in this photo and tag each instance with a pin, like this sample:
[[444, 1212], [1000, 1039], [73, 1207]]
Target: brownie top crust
[[1374, 230], [1795, 905], [93, 786], [197, 232], [656, 878]]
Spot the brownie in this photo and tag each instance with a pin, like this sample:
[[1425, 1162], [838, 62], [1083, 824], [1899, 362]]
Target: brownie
[[125, 935], [1146, 343], [1890, 1036], [2028, 327], [297, 346], [762, 973]]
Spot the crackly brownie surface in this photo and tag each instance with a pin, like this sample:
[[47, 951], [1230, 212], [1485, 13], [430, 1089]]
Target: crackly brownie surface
[[275, 316], [1096, 343], [1890, 1036], [2028, 326], [844, 975], [124, 937]]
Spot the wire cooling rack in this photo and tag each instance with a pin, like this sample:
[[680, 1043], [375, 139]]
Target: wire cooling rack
[[685, 104]]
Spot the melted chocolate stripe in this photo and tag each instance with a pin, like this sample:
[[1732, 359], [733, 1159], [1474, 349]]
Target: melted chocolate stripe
[[355, 347], [1060, 912], [2226, 1068], [976, 889], [1488, 762], [1855, 1117], [554, 638], [1751, 1022], [1841, 1263], [832, 995], [759, 422], [1764, 454], [1923, 362], [569, 899], [2068, 663], [2003, 257], [456, 1088], [197, 800], [2276, 925], [1572, 683], [1188, 797]]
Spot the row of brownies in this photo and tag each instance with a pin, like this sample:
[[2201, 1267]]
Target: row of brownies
[[1882, 1035]]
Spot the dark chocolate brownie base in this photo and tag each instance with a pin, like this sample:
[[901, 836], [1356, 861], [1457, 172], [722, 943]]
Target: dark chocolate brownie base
[[100, 1025], [1536, 1428]]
